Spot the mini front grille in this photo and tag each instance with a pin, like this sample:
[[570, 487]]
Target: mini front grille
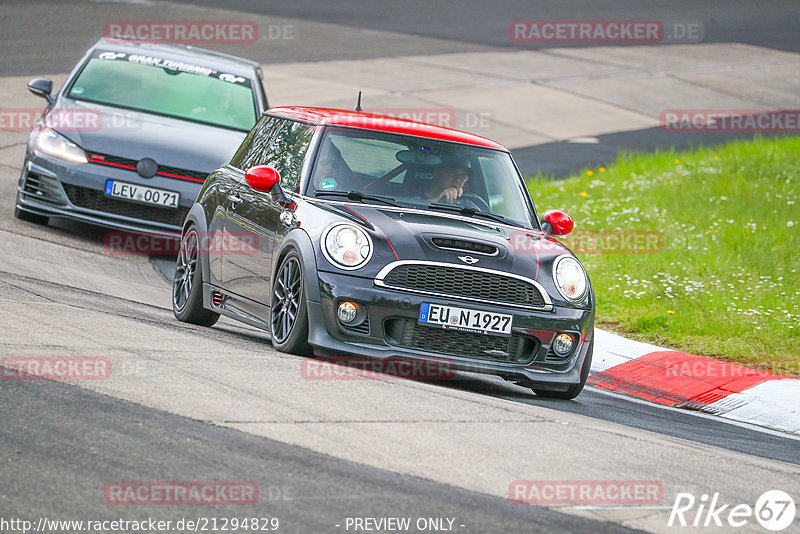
[[93, 199], [465, 246], [106, 158], [466, 283], [514, 349]]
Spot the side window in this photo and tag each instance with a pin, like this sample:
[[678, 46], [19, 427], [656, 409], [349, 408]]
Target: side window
[[256, 142], [287, 151]]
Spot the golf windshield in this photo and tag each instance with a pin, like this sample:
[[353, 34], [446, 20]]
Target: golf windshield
[[177, 93], [423, 173]]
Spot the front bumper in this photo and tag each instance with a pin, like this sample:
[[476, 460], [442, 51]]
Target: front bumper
[[392, 332], [55, 188]]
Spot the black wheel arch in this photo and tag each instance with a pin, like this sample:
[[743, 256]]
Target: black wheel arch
[[299, 240], [197, 217]]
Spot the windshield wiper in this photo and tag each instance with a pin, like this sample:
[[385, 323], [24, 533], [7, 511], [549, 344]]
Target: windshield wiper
[[471, 212], [356, 196]]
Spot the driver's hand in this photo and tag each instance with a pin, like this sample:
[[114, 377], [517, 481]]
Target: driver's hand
[[451, 194]]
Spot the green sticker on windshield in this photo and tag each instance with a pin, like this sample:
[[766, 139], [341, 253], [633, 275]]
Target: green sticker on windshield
[[328, 183]]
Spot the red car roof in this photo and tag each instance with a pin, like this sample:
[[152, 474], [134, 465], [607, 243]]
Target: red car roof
[[382, 123]]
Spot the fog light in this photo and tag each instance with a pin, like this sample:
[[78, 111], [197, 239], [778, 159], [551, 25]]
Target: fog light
[[563, 344], [348, 312]]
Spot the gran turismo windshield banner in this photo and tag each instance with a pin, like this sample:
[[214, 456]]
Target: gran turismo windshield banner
[[170, 65]]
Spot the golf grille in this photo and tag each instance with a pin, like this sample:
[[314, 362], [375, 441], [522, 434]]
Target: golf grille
[[92, 199], [106, 159], [465, 283]]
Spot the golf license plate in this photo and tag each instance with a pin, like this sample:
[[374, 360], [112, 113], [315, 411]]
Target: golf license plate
[[140, 193], [464, 319]]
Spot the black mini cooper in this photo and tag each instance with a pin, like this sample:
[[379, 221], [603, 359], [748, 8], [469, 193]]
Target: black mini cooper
[[347, 233]]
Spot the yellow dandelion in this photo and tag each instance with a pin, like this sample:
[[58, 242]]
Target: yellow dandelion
[[589, 173], [670, 312], [584, 194], [677, 161], [602, 169], [716, 158]]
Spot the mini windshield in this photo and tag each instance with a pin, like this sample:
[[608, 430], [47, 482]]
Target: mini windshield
[[420, 173], [175, 93]]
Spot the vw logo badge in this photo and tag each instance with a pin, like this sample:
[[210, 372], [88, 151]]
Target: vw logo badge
[[147, 168]]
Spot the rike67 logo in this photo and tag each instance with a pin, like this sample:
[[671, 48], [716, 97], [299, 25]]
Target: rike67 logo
[[774, 510]]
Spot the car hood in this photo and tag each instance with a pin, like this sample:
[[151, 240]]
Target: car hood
[[135, 135], [413, 235]]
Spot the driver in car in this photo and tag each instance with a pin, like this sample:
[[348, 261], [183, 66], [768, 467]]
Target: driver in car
[[449, 180]]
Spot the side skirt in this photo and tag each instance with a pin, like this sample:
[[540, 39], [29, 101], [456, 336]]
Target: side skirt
[[236, 307]]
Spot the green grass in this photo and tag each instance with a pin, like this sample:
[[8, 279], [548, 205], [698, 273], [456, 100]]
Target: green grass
[[727, 282]]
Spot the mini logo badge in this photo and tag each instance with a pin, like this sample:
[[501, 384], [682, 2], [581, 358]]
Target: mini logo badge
[[469, 260]]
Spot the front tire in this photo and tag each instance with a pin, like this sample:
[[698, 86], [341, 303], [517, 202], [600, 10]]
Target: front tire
[[575, 389], [187, 284], [288, 315]]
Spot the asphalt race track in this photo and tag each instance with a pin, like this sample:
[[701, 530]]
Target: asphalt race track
[[186, 403]]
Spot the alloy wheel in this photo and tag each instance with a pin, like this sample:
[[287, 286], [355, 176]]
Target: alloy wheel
[[286, 299], [185, 269]]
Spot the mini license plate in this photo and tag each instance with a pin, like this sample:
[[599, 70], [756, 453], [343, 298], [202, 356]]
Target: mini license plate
[[140, 193], [464, 319]]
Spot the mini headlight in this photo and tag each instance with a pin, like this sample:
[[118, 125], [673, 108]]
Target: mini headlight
[[346, 246], [570, 278], [56, 145]]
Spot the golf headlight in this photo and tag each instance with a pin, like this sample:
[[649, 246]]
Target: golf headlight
[[346, 246], [56, 145], [570, 278]]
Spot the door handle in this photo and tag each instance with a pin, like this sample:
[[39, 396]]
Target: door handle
[[234, 199]]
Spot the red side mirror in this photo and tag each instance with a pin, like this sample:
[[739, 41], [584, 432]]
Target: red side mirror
[[262, 177], [560, 223]]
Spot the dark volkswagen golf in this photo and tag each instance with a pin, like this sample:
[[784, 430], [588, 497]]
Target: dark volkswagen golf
[[132, 135], [350, 233]]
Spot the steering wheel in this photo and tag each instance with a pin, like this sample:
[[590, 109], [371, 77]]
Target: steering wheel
[[475, 199]]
